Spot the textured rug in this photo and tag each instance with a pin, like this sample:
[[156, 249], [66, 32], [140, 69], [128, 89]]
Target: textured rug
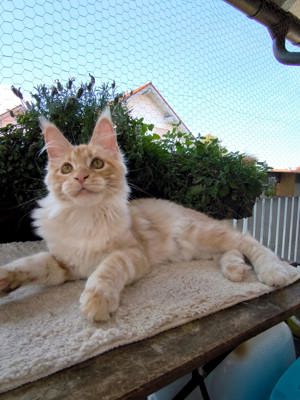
[[42, 330]]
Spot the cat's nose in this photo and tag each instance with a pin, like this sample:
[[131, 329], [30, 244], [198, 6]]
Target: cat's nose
[[81, 178]]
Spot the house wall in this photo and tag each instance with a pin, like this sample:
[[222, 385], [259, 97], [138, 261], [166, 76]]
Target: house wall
[[143, 106], [6, 118], [287, 185]]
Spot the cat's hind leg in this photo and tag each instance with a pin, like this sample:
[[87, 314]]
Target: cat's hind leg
[[233, 265], [200, 234]]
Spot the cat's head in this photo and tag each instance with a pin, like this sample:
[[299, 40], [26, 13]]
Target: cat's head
[[87, 174]]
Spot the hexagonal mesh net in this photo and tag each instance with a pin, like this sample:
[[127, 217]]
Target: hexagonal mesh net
[[212, 65]]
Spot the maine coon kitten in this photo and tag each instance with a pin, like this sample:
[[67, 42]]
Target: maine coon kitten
[[93, 232]]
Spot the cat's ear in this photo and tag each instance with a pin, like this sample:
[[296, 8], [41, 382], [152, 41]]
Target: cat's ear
[[55, 142], [104, 134]]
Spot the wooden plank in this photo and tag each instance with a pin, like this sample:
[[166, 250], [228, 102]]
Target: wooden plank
[[136, 370]]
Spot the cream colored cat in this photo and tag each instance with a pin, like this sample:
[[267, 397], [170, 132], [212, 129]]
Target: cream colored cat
[[93, 232]]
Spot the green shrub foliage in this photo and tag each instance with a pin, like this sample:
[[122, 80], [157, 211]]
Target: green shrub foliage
[[194, 171]]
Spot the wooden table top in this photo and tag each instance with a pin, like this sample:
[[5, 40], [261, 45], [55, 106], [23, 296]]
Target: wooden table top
[[136, 370]]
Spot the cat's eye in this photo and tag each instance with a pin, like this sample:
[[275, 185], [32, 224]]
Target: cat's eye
[[97, 163], [66, 168]]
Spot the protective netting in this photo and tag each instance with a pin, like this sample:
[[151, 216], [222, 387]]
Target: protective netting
[[212, 64]]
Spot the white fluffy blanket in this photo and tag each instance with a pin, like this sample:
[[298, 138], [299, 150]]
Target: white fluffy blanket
[[42, 330]]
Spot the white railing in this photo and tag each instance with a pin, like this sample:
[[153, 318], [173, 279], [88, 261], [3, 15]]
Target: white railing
[[275, 222]]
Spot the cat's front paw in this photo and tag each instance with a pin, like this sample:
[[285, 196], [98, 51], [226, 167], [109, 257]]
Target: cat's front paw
[[277, 273], [97, 303], [8, 281]]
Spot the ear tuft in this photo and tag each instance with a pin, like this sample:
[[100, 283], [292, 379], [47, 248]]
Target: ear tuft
[[106, 114], [104, 134], [55, 142], [43, 122]]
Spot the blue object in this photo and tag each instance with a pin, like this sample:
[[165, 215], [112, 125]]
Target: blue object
[[288, 386], [250, 372]]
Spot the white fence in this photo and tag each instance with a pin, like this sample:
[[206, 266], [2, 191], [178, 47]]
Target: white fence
[[276, 224]]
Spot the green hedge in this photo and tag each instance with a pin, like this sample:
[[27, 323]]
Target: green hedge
[[194, 171]]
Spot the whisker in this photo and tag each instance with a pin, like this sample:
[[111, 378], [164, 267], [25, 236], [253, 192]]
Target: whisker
[[15, 207], [139, 189], [34, 179]]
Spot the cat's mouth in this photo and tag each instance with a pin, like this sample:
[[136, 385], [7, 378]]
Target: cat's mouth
[[84, 192]]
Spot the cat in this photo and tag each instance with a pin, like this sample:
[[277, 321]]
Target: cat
[[92, 231]]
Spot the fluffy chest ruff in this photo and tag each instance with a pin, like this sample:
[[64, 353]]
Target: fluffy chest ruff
[[82, 237]]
